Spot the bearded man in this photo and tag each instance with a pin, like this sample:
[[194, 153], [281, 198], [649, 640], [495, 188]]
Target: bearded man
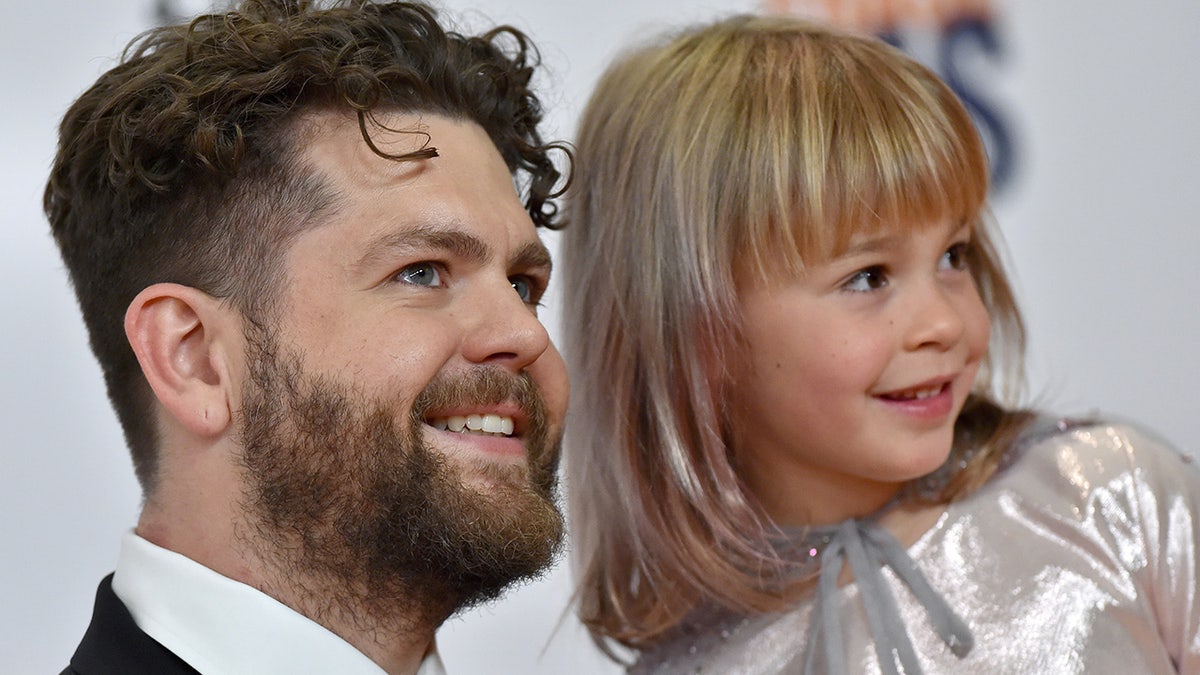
[[312, 287]]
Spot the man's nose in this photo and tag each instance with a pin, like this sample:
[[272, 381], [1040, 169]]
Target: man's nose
[[504, 330]]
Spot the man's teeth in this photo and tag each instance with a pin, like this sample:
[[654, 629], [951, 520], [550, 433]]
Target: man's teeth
[[495, 425]]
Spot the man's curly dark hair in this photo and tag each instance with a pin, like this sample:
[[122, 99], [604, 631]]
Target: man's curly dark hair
[[181, 164]]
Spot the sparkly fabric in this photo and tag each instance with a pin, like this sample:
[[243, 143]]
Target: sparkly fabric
[[869, 548], [1080, 556]]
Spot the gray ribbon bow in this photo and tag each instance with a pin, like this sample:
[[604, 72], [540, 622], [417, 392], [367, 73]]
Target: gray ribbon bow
[[869, 547]]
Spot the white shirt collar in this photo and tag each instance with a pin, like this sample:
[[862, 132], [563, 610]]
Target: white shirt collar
[[222, 627]]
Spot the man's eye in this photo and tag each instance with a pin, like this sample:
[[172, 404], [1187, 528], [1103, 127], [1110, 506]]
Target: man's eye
[[957, 257], [420, 274], [525, 288], [866, 280]]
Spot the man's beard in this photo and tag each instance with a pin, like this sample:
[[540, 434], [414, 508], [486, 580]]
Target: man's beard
[[364, 519]]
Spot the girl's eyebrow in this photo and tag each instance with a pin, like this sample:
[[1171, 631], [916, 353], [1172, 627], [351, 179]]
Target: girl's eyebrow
[[888, 241], [872, 245]]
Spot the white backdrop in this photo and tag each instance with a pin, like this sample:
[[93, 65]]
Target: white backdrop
[[1100, 222]]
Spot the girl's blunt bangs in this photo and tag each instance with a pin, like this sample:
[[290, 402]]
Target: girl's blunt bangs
[[834, 136]]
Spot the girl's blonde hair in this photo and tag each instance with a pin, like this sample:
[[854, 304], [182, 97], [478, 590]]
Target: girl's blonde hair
[[731, 150]]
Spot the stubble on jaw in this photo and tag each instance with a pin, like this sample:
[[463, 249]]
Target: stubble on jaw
[[366, 526]]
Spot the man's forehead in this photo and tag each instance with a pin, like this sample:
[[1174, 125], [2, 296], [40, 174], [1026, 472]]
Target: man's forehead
[[333, 143], [464, 200]]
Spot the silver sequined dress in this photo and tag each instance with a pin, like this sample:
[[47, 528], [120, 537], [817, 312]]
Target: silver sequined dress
[[1080, 556]]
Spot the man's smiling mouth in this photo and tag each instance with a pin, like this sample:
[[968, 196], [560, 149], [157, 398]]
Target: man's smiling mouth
[[483, 424]]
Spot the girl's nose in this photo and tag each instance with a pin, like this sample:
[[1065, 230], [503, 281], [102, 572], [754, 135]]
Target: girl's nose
[[936, 320]]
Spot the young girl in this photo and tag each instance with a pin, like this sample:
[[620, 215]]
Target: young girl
[[786, 318]]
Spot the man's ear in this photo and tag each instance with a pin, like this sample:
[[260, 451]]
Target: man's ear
[[182, 339]]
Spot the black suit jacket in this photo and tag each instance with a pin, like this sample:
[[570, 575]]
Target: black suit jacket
[[114, 645]]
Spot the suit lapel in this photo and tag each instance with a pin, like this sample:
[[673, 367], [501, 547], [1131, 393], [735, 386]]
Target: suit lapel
[[114, 644]]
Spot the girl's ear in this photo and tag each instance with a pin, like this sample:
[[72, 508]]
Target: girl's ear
[[181, 338]]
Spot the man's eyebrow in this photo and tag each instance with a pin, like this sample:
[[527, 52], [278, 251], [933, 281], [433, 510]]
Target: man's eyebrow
[[425, 238], [466, 246], [533, 255]]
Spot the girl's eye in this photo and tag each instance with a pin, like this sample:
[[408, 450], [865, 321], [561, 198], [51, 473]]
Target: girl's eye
[[421, 274], [866, 280], [525, 287], [956, 257]]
